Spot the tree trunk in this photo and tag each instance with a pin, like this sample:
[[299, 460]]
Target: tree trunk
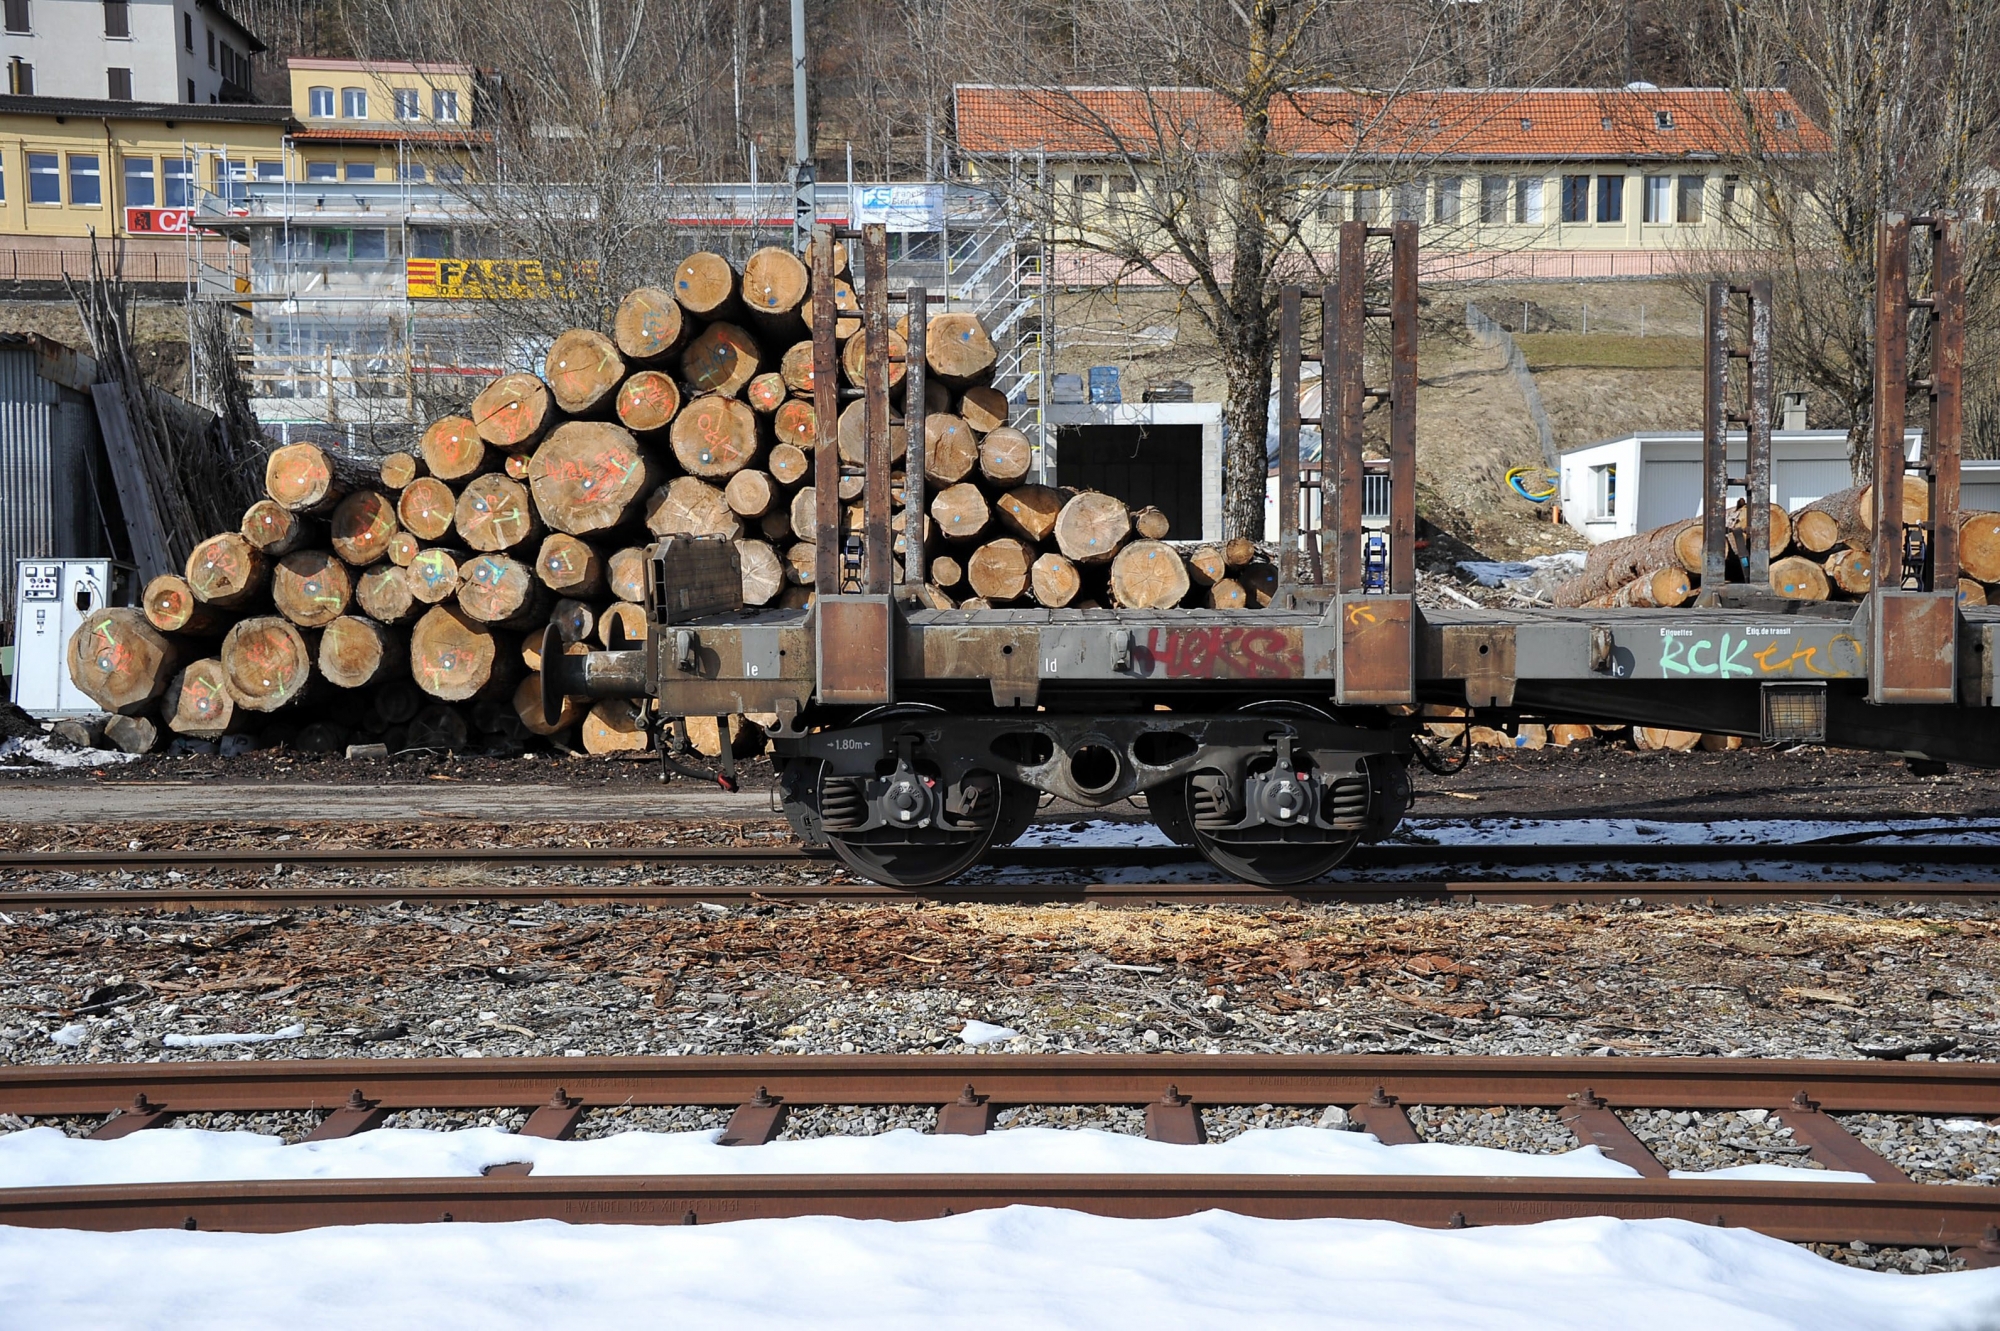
[[722, 359], [1148, 575], [1851, 570], [777, 524], [495, 513], [998, 570], [1797, 578], [306, 479], [621, 622], [312, 588], [751, 493], [1030, 511], [454, 657], [796, 426], [686, 506], [615, 725], [763, 572], [627, 574], [515, 467], [399, 469], [960, 512], [805, 514], [197, 704], [1655, 739], [355, 653], [121, 662], [1665, 587], [705, 285], [1055, 580], [1207, 566], [715, 437], [266, 663], [132, 734], [383, 593], [1971, 594], [984, 409], [228, 572], [433, 575], [1150, 523], [361, 527], [172, 607], [453, 449], [591, 476], [1613, 564], [648, 402], [788, 464], [1260, 582], [276, 530], [583, 371], [426, 508], [1005, 456], [503, 592], [958, 350], [397, 702], [570, 566], [513, 413], [648, 325], [1916, 502], [1092, 526]]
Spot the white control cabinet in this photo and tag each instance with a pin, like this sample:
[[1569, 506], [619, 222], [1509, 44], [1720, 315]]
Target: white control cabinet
[[51, 599]]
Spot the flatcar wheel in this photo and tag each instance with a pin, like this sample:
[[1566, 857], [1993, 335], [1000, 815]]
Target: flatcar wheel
[[1274, 863], [899, 859], [1167, 806]]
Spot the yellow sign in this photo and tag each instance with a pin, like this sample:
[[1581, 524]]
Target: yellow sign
[[484, 279]]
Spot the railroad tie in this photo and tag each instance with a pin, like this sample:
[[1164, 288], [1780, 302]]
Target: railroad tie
[[358, 1115], [142, 1115], [756, 1122], [1174, 1119], [1385, 1118], [1834, 1146], [971, 1115], [1592, 1121], [555, 1121]]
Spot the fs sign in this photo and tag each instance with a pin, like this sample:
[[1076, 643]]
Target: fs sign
[[901, 207], [159, 221]]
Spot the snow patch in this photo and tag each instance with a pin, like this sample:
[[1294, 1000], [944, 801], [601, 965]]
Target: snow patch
[[983, 1032], [232, 1037]]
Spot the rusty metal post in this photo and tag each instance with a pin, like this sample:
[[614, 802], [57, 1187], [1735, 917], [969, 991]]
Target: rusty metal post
[[1757, 441], [826, 413], [1403, 409], [1892, 374], [918, 302], [876, 551], [1340, 448], [1715, 441], [1947, 407], [1288, 439]]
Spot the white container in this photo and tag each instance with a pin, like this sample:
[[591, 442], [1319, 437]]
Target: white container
[[52, 597]]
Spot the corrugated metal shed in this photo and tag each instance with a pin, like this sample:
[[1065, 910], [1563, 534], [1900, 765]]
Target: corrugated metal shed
[[51, 459]]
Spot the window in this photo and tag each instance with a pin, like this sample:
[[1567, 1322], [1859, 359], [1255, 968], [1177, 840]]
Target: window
[[1604, 491], [444, 104], [1528, 201], [1611, 198], [1687, 202], [354, 103], [139, 182], [449, 175], [44, 178], [319, 101], [1410, 201], [1492, 200], [1663, 120], [372, 243], [86, 183], [211, 48], [176, 182], [329, 244], [1446, 213], [20, 77], [1576, 199], [117, 18], [17, 16], [361, 170], [322, 171], [411, 171], [3, 185], [1786, 120], [407, 107], [430, 242], [270, 170], [1729, 186], [1367, 204], [187, 37], [191, 96], [229, 178], [1089, 184], [120, 83], [1659, 194]]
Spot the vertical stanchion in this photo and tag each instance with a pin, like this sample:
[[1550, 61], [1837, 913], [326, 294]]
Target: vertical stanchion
[[914, 408], [1343, 442], [1892, 373], [1757, 441], [826, 413], [1715, 440], [876, 554], [1403, 409], [1947, 407], [1288, 439]]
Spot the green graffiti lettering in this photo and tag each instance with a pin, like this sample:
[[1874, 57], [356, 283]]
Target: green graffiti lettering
[[1695, 666], [1731, 660], [1670, 657]]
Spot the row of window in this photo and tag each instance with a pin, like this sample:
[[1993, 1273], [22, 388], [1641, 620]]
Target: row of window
[[117, 18], [172, 184], [408, 103]]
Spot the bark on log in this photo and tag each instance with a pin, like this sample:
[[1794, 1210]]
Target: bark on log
[[802, 564], [306, 479], [648, 402], [276, 530], [946, 571], [495, 513], [715, 437], [687, 506], [1239, 552], [1148, 575], [615, 725], [788, 464], [795, 367], [648, 325], [958, 350], [361, 527], [172, 607], [433, 575], [383, 593], [1851, 570], [453, 449], [591, 476], [1797, 578], [773, 289], [1092, 526], [984, 409], [796, 426], [1005, 456], [1664, 587], [951, 449], [570, 566], [621, 622], [528, 707], [583, 370], [266, 663], [439, 727], [805, 515], [355, 653], [1030, 511], [1613, 564], [197, 703], [426, 508], [312, 588], [960, 511], [513, 413], [503, 592], [705, 285], [1150, 523], [999, 570], [763, 572], [751, 493], [121, 662], [627, 574], [722, 359], [1055, 580], [455, 658], [399, 469], [1979, 545], [228, 572], [1207, 566], [766, 393]]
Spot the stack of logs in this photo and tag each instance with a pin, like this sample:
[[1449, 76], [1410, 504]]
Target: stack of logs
[[403, 603], [1823, 552]]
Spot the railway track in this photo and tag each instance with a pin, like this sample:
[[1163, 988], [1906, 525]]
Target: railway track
[[1888, 1211]]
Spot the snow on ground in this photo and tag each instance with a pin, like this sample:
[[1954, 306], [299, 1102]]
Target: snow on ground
[[1020, 1267], [44, 1157], [42, 753]]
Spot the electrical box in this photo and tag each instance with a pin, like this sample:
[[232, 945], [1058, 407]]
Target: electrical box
[[51, 599]]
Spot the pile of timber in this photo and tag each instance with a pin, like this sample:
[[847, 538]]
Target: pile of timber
[[1823, 552], [403, 603]]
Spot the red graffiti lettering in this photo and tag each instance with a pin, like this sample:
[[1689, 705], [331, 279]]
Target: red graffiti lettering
[[1222, 652]]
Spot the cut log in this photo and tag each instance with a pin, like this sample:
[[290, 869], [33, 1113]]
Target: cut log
[[1664, 587], [854, 356], [495, 513], [1148, 575], [648, 325], [1971, 593], [1712, 743], [1815, 531], [266, 663], [839, 257], [715, 437], [746, 737], [777, 524], [1054, 579], [1207, 566], [1150, 523], [1005, 456], [397, 702], [621, 622], [951, 449], [355, 653], [383, 593], [228, 572], [1030, 511], [432, 576], [570, 566], [687, 506], [802, 564], [591, 476], [751, 492], [1656, 739], [1851, 570], [172, 607], [1781, 527], [515, 466], [361, 527], [851, 433], [615, 725], [312, 588], [512, 414], [958, 350], [627, 579], [648, 401], [763, 572], [788, 464], [276, 530], [960, 511], [773, 290], [1091, 527], [722, 359], [1979, 545], [705, 285], [531, 649], [766, 393], [946, 571], [132, 734], [583, 370], [121, 662], [426, 508], [399, 469], [403, 548], [197, 703], [307, 479], [1239, 552], [528, 707], [1916, 502], [1260, 581], [574, 622], [453, 450], [796, 426], [978, 603], [796, 368], [1834, 520], [933, 597], [1227, 594], [503, 592], [439, 728], [984, 409], [998, 570], [1614, 564], [1564, 736], [454, 657], [1797, 578], [805, 514]]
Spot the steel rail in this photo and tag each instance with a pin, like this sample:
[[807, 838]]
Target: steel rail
[[195, 897], [1889, 1215], [1950, 1089]]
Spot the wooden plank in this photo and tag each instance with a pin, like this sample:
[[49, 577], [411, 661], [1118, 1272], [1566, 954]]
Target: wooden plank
[[1595, 1124], [148, 536]]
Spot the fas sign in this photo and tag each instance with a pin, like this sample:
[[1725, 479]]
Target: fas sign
[[159, 221]]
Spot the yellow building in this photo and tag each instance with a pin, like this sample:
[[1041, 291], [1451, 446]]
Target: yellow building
[[383, 120]]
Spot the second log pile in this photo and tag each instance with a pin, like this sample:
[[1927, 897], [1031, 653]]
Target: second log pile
[[1823, 552]]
